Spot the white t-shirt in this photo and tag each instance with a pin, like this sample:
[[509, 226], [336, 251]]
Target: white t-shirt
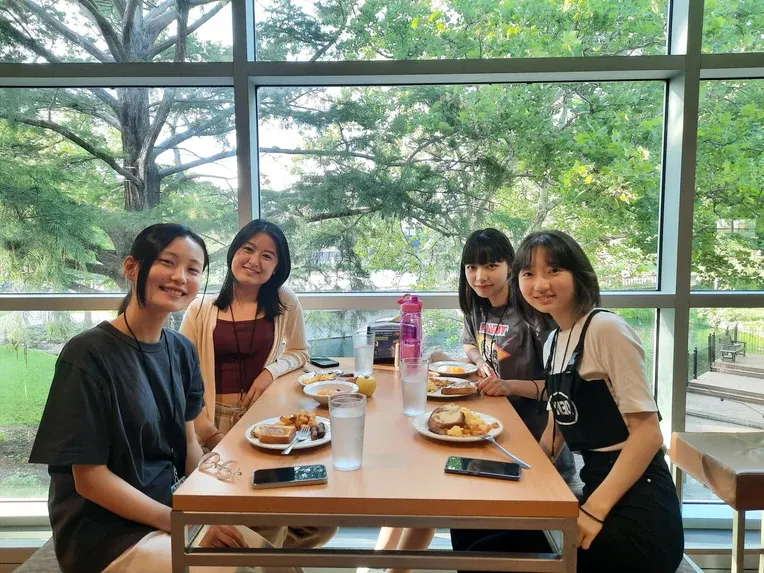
[[613, 353]]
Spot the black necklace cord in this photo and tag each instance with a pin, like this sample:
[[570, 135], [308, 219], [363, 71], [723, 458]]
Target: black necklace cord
[[167, 427]]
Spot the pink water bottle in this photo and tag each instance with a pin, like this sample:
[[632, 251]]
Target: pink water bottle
[[410, 342]]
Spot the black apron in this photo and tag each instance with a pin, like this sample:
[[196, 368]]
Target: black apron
[[584, 410]]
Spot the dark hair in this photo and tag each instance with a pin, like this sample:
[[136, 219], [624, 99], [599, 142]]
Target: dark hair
[[146, 248], [562, 251], [268, 295], [482, 247]]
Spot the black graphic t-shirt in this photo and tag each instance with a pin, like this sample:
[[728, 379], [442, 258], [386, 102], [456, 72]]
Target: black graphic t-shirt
[[515, 351]]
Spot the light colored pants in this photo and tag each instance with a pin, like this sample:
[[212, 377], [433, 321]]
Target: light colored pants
[[278, 536], [153, 554]]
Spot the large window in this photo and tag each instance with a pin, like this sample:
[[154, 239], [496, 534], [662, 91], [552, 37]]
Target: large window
[[84, 169], [57, 31], [379, 187], [457, 29]]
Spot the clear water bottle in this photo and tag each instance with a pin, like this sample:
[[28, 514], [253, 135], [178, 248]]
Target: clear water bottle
[[410, 341]]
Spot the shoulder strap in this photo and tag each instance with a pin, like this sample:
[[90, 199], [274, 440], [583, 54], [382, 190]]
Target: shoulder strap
[[578, 353], [548, 366]]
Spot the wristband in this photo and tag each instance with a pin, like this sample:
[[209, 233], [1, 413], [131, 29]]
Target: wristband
[[597, 519]]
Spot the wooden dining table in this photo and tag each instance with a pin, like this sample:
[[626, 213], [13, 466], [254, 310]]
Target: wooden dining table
[[401, 483]]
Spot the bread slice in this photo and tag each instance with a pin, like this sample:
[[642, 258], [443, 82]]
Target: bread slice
[[444, 418], [458, 389], [273, 434]]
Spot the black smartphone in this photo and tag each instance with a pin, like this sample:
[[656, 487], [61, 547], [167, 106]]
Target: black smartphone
[[286, 477], [483, 468], [323, 362]]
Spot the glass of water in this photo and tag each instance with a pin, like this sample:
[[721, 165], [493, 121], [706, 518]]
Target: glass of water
[[414, 385], [347, 415], [363, 351]]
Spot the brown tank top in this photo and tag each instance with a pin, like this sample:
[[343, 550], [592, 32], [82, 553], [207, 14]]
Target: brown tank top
[[235, 372]]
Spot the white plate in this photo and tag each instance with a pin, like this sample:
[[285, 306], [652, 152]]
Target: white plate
[[299, 446], [308, 378], [437, 394], [313, 390], [441, 367], [420, 425]]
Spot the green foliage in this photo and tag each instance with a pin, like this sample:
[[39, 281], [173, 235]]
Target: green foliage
[[25, 387]]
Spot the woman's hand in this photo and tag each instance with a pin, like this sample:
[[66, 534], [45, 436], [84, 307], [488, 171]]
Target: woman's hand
[[260, 385], [223, 536], [588, 529], [493, 386], [484, 369]]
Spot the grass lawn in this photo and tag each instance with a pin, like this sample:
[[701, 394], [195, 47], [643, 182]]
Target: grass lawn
[[20, 406]]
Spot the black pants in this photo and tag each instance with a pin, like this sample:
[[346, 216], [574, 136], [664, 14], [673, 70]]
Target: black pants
[[642, 533]]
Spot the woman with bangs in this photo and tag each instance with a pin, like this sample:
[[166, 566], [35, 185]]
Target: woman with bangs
[[595, 380], [117, 431]]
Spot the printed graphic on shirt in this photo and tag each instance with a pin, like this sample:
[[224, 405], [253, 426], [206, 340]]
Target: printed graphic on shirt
[[564, 409], [496, 343]]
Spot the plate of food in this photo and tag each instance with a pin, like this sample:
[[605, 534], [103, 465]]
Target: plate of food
[[452, 423], [320, 391], [453, 368], [313, 377], [445, 387], [278, 432]]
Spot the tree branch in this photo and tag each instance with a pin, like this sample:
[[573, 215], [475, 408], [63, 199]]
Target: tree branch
[[193, 131], [321, 153], [7, 27], [62, 29], [128, 21], [156, 127], [333, 40], [343, 213], [76, 139], [170, 42], [109, 34], [178, 168]]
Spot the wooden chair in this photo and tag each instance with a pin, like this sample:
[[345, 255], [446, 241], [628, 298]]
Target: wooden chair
[[732, 466], [42, 561]]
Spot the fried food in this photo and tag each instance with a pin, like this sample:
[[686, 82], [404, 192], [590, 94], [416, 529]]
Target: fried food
[[452, 420]]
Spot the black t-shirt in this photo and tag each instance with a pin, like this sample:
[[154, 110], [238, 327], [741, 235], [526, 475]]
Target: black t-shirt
[[515, 351], [101, 410]]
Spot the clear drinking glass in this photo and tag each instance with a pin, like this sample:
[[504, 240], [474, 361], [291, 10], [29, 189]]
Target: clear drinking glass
[[414, 385], [363, 352], [347, 415]]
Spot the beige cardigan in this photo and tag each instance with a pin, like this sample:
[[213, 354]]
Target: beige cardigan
[[289, 332]]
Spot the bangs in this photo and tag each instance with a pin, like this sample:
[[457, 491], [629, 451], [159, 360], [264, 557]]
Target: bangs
[[557, 254], [482, 252]]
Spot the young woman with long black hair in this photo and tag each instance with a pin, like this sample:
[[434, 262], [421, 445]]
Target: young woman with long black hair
[[251, 333]]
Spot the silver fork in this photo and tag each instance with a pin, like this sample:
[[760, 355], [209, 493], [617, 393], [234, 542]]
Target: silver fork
[[511, 455], [300, 436]]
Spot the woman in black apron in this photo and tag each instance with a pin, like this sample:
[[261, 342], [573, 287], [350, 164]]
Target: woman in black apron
[[602, 406]]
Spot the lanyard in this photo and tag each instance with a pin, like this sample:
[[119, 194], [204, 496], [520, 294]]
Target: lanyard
[[168, 427]]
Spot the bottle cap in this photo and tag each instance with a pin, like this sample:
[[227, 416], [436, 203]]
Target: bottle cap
[[410, 303]]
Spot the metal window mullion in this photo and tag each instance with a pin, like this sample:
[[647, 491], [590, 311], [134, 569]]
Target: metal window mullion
[[678, 187], [242, 40]]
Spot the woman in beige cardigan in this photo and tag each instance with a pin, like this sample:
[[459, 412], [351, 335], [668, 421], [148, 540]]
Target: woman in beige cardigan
[[246, 337]]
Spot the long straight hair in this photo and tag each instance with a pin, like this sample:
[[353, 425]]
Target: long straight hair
[[268, 295], [146, 248], [482, 247], [563, 252]]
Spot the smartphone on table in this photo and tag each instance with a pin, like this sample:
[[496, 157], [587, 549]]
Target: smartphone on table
[[483, 468], [287, 477], [323, 362]]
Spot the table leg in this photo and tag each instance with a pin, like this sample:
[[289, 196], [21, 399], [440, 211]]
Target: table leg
[[678, 475], [178, 542], [761, 548], [738, 541], [570, 546]]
